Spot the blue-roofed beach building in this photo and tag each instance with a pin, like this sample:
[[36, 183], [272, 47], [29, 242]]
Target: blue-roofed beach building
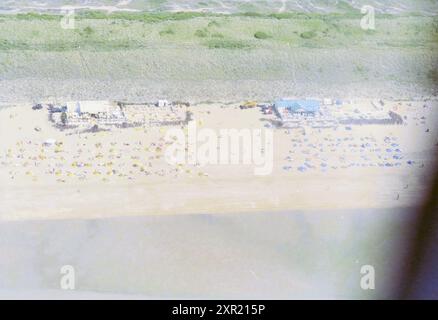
[[288, 108]]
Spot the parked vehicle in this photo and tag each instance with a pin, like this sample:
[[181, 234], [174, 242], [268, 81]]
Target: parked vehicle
[[38, 106], [248, 105]]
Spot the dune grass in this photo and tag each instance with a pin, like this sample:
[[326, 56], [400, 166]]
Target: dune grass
[[101, 31]]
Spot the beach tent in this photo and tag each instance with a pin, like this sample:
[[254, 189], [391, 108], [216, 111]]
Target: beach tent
[[162, 103], [328, 101]]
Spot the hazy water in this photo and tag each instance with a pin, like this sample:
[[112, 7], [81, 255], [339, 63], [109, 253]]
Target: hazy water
[[315, 254], [389, 6]]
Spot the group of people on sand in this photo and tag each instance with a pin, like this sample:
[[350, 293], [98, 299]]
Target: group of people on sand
[[87, 159], [350, 151]]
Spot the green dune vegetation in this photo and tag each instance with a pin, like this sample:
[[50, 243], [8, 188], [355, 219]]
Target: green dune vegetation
[[192, 55], [100, 31]]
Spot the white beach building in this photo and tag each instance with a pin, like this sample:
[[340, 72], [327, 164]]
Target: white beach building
[[91, 107], [162, 103]]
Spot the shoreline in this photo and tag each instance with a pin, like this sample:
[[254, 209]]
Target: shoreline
[[150, 200]]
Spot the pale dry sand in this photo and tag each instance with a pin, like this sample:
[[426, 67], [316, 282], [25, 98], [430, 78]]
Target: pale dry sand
[[41, 183]]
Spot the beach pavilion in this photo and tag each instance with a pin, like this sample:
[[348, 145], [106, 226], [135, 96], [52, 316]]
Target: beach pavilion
[[287, 108]]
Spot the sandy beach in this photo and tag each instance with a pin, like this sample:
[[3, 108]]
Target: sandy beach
[[123, 172]]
